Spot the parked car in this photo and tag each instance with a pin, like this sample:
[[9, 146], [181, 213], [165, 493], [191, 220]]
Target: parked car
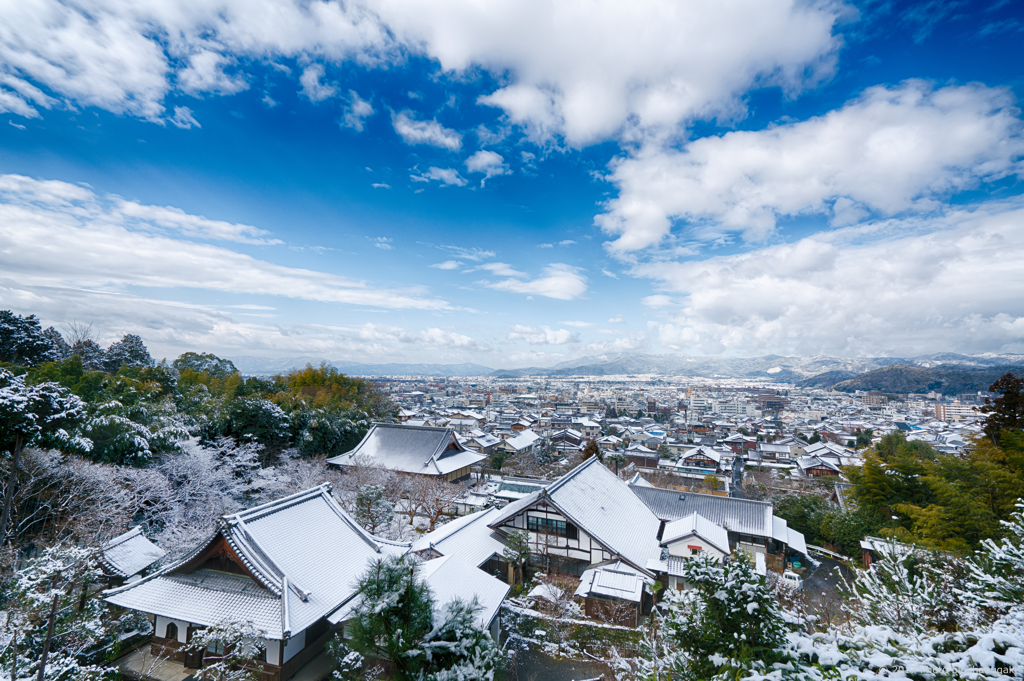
[[792, 580]]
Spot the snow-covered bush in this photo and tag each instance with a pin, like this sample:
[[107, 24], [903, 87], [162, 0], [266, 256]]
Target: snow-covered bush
[[997, 578], [55, 591]]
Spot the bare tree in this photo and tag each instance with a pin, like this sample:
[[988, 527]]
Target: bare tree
[[434, 497]]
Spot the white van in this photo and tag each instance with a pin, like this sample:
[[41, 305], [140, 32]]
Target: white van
[[792, 580]]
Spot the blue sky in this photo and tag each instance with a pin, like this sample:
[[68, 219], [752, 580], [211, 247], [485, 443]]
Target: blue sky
[[516, 183]]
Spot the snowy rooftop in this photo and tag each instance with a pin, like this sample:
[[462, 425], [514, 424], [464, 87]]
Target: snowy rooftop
[[696, 524], [468, 538], [410, 449], [302, 554], [600, 504], [616, 580], [130, 553]]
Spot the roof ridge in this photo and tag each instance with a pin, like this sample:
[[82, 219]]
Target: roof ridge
[[122, 538], [556, 485], [276, 505]]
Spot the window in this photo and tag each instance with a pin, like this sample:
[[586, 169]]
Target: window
[[172, 631], [216, 647], [560, 528]]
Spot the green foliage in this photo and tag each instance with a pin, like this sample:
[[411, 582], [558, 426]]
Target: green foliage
[[729, 624], [205, 363], [258, 420], [328, 432], [394, 613], [823, 523], [62, 577], [372, 509], [71, 374], [23, 341], [1006, 412], [947, 502]]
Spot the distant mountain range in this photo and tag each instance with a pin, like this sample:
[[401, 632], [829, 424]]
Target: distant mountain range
[[947, 371], [948, 379]]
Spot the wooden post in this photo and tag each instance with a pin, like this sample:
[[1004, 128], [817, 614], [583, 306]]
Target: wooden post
[[14, 656], [49, 637]]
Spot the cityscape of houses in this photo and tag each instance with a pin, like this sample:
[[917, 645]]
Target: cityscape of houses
[[567, 464]]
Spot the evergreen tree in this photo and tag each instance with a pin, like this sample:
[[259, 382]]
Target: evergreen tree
[[129, 351], [393, 615], [39, 415], [372, 509], [1006, 412], [205, 363], [23, 341]]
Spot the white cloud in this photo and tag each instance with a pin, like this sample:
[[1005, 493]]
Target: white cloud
[[559, 281], [487, 162], [658, 301], [58, 235], [446, 176], [312, 88], [899, 287], [889, 151], [269, 101], [586, 71], [171, 219], [630, 343], [17, 125], [425, 132], [382, 242], [578, 325], [542, 335], [498, 269], [356, 112], [380, 185], [607, 273], [617, 319], [447, 265], [475, 254], [205, 73], [183, 118]]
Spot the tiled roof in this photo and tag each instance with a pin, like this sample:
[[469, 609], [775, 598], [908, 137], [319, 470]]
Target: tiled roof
[[700, 526], [130, 553], [304, 552], [736, 515], [410, 449], [468, 538], [450, 578], [616, 580], [600, 504]]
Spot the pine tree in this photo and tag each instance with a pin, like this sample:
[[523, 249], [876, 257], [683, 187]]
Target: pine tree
[[129, 351], [372, 509], [393, 615], [23, 341]]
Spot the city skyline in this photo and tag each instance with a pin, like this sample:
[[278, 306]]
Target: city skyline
[[516, 184]]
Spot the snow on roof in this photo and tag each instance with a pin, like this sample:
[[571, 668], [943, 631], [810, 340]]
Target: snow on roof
[[450, 578], [638, 479], [703, 451], [616, 580], [735, 515], [410, 449], [600, 504], [696, 524], [130, 553], [523, 440], [304, 553], [468, 538]]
